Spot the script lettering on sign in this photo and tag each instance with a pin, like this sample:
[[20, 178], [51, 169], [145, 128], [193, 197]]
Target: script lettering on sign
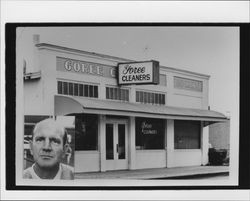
[[139, 73], [147, 128]]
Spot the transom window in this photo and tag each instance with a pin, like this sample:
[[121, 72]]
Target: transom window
[[148, 97], [115, 93], [77, 89]]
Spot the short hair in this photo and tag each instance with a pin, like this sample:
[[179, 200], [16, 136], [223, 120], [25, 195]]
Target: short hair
[[51, 123]]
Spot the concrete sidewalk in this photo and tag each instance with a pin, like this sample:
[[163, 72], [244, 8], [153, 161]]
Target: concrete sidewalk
[[156, 173]]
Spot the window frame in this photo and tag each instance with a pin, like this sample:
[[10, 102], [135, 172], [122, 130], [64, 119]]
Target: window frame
[[117, 94], [78, 89]]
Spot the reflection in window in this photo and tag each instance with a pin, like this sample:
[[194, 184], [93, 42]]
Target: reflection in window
[[150, 133], [186, 134], [86, 133], [109, 142]]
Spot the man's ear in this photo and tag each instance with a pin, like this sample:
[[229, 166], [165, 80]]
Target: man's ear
[[31, 147], [65, 147]]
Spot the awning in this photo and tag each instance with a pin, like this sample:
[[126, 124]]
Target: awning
[[65, 105]]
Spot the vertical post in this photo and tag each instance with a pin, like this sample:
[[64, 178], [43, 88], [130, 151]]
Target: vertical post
[[204, 144], [131, 143], [132, 97], [102, 142], [170, 143], [102, 91]]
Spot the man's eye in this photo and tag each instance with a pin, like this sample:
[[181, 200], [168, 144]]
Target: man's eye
[[56, 141], [39, 139]]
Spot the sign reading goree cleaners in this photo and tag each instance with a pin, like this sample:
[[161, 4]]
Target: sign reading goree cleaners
[[146, 72]]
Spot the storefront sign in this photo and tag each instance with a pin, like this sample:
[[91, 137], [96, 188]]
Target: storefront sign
[[83, 67], [138, 73]]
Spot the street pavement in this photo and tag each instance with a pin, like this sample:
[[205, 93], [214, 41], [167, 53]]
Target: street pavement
[[158, 173]]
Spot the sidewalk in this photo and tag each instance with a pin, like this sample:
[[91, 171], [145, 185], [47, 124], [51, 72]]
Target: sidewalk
[[155, 173]]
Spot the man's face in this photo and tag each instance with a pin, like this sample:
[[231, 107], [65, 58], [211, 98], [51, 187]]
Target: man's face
[[47, 147]]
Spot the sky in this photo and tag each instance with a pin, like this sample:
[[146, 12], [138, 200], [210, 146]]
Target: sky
[[208, 50]]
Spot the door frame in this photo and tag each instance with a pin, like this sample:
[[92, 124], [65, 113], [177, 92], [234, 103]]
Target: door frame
[[117, 164]]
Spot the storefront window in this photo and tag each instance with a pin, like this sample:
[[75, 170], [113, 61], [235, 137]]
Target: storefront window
[[86, 132], [186, 134], [150, 133]]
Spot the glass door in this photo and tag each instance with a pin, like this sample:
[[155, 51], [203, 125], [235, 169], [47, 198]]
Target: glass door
[[116, 146]]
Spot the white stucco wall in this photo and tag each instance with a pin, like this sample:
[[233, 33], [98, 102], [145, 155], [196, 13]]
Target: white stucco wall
[[87, 161], [186, 157], [150, 159], [183, 100]]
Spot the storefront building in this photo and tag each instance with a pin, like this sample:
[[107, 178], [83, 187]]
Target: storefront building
[[121, 126]]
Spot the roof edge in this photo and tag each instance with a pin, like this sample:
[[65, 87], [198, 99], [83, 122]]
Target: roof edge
[[114, 58], [51, 46]]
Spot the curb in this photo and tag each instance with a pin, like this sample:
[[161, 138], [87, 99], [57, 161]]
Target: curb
[[193, 176]]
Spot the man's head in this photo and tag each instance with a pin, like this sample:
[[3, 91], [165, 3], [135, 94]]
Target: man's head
[[48, 143]]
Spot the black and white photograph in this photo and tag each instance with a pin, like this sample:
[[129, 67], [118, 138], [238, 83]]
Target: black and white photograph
[[124, 100], [146, 99]]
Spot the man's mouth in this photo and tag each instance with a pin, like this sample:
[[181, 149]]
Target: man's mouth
[[46, 156]]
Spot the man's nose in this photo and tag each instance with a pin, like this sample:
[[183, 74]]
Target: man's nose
[[47, 144]]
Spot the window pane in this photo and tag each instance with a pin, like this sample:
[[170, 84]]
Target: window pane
[[144, 97], [126, 95], [111, 93], [75, 89], [96, 91], [107, 93], [137, 97], [148, 98], [157, 98], [70, 88], [115, 94], [59, 87], [65, 88], [150, 133], [120, 94], [86, 130], [91, 91], [121, 141], [141, 96], [153, 98], [109, 142], [163, 99], [123, 94], [187, 134], [86, 90], [80, 90]]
